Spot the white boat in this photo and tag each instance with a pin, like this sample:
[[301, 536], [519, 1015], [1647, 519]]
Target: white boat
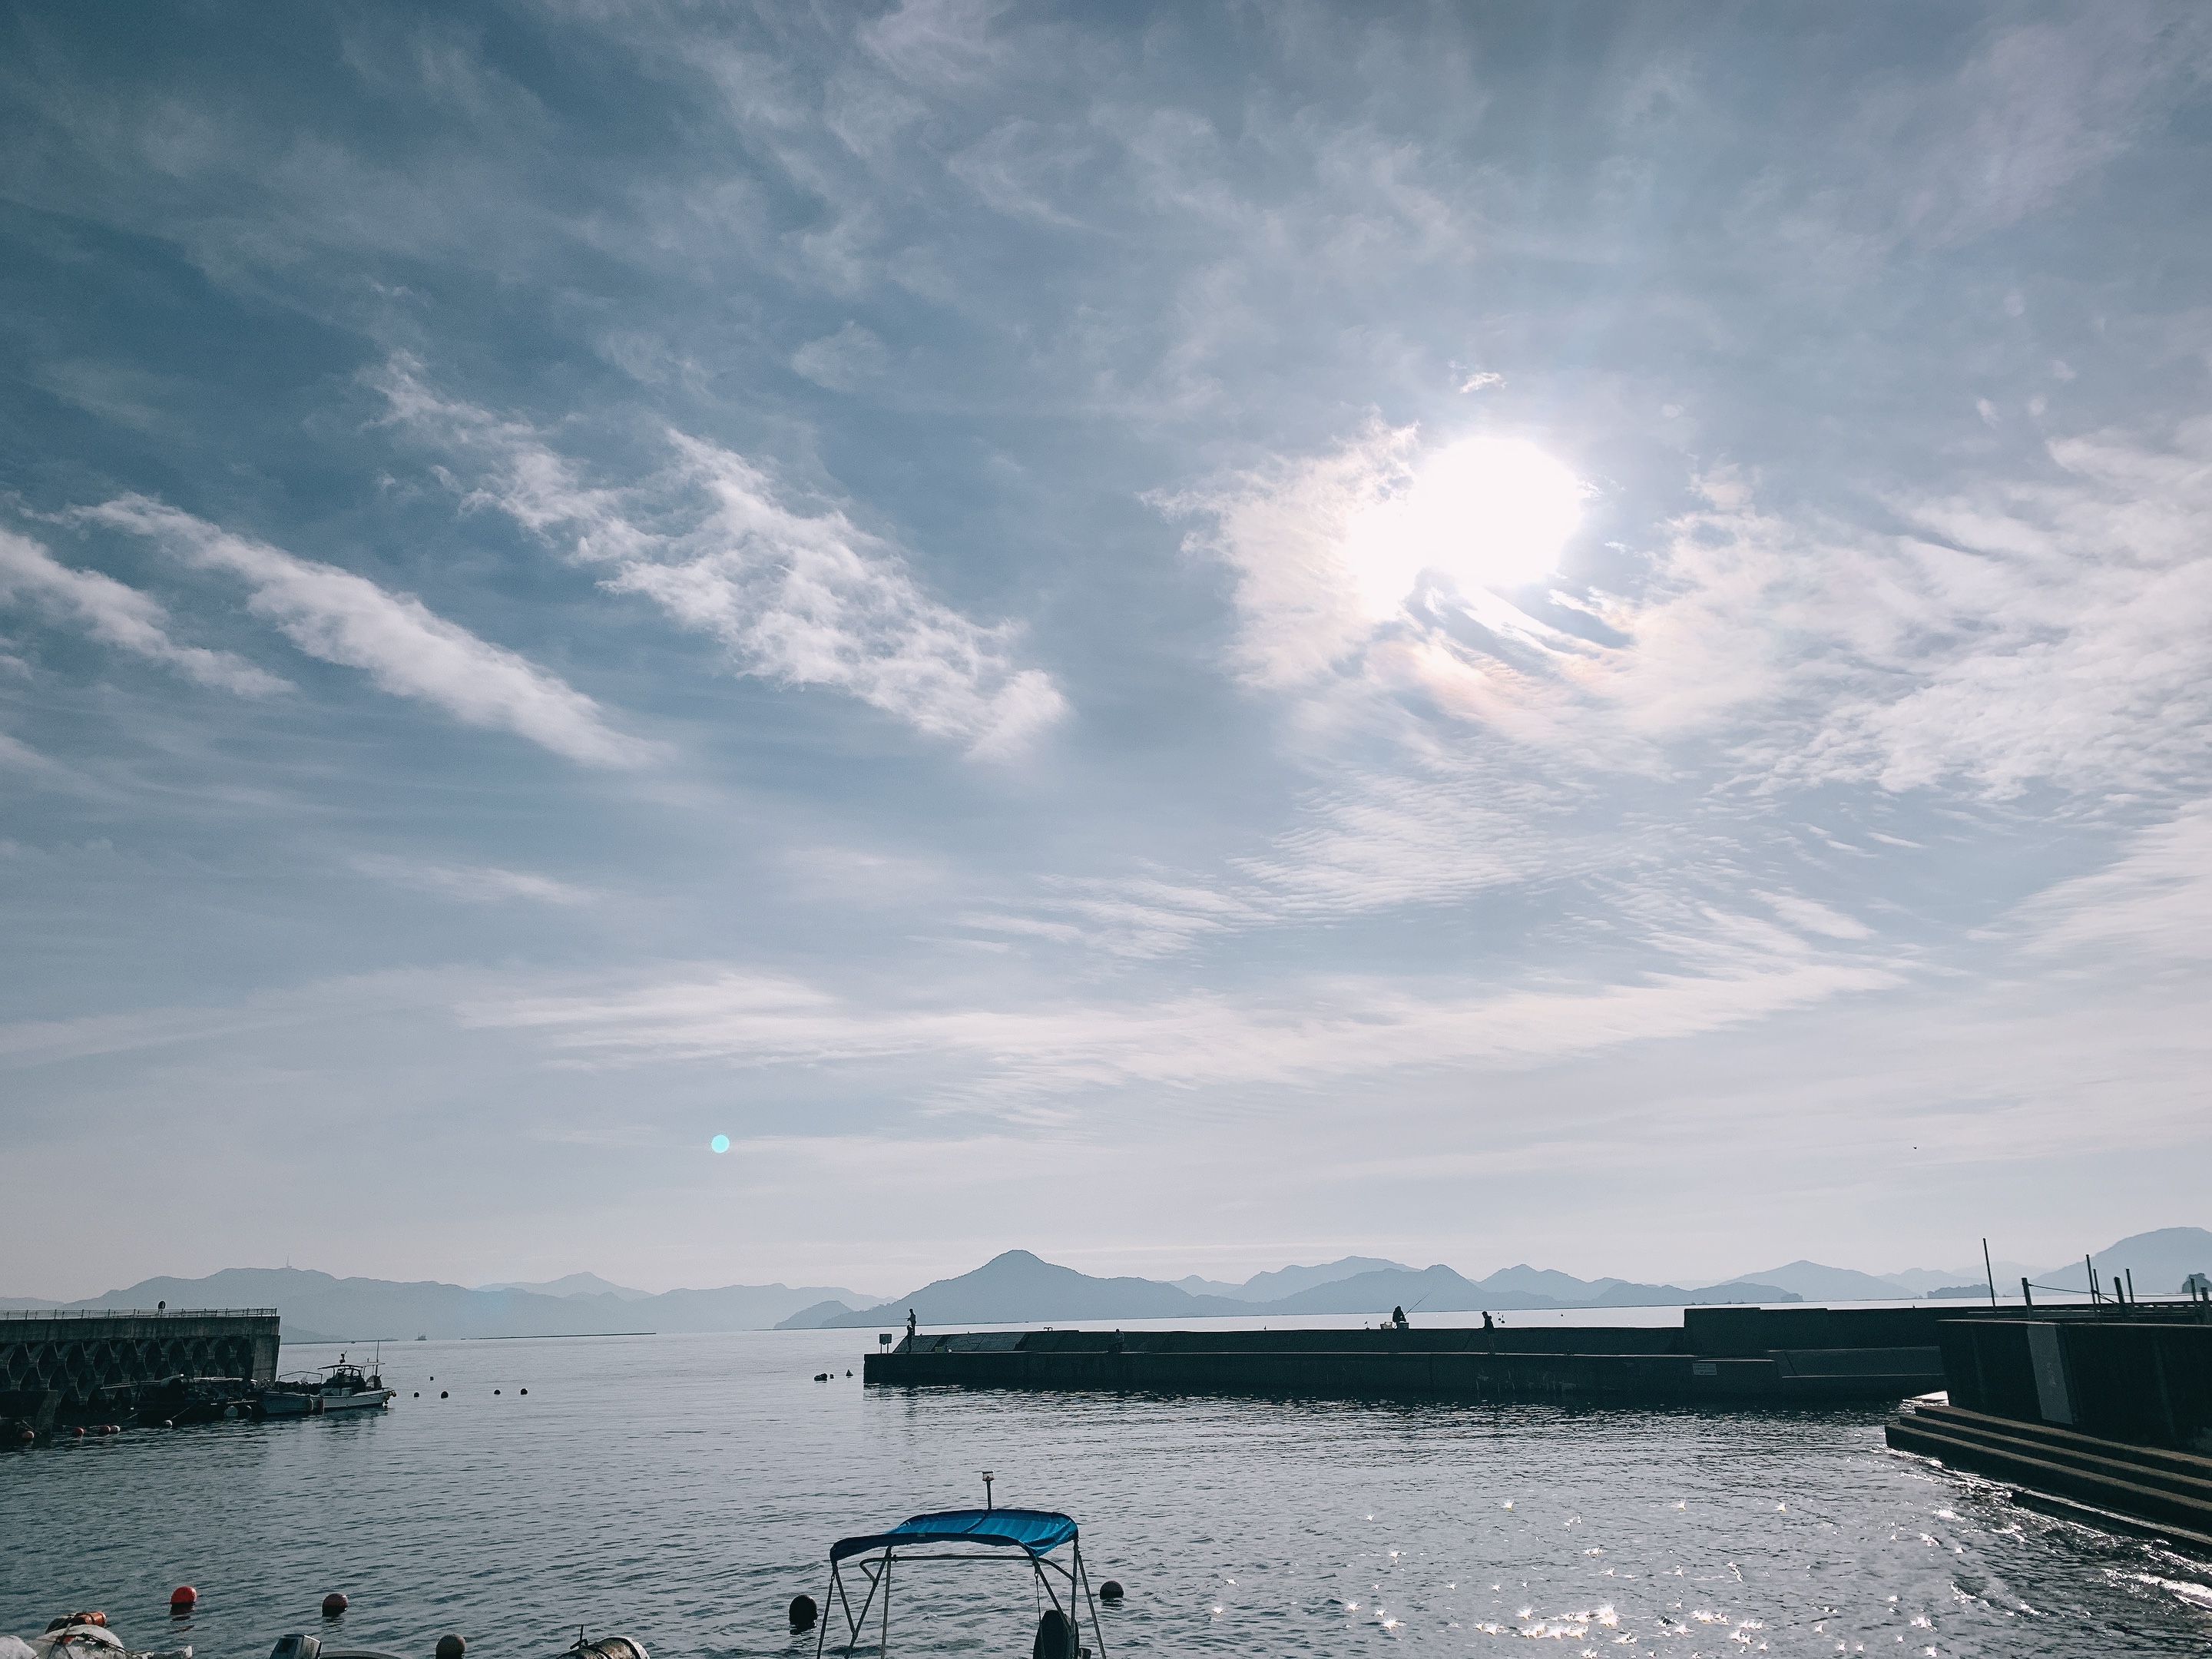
[[339, 1387], [345, 1388]]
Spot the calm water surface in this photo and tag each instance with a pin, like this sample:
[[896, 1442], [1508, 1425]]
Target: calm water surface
[[681, 1489]]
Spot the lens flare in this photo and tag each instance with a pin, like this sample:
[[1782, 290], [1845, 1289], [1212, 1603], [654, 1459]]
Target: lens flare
[[1482, 513], [719, 1144]]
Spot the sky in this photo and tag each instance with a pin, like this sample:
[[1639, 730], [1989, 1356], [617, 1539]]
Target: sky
[[1186, 637]]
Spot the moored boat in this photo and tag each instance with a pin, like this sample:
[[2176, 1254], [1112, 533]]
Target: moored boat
[[339, 1387], [86, 1636], [968, 1535], [179, 1400]]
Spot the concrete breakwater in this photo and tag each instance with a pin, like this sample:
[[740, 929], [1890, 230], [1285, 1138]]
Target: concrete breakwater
[[2112, 1415], [1720, 1355], [52, 1364]]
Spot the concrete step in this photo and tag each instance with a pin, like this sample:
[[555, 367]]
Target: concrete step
[[2189, 1466], [2088, 1462], [2180, 1504]]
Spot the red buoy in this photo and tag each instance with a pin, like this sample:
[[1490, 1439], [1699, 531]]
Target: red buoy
[[182, 1598], [333, 1605]]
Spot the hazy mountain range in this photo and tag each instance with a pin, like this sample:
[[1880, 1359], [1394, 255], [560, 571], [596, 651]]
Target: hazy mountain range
[[316, 1307], [1017, 1288]]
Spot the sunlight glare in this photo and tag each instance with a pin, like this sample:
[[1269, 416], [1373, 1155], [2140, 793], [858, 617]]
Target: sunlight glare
[[1484, 511]]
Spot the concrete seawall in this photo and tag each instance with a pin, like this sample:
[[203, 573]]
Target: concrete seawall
[[64, 1358], [1721, 1355], [1730, 1355]]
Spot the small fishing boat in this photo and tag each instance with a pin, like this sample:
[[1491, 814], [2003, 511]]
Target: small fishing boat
[[346, 1389], [339, 1387], [984, 1534]]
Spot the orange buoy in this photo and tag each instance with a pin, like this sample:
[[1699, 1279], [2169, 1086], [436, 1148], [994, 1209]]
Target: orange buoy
[[182, 1599], [333, 1605]]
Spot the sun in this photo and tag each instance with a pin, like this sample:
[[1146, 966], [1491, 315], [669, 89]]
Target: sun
[[1484, 513]]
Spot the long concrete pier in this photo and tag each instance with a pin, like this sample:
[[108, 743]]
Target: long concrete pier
[[1719, 1355], [54, 1361]]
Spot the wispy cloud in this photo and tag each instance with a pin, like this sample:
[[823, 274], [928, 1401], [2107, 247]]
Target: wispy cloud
[[2154, 905], [1296, 1034], [2039, 629], [2039, 106], [406, 648], [474, 884], [118, 615], [809, 598], [14, 752]]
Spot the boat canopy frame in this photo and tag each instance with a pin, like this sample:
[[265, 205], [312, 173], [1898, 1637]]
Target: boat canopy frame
[[1034, 1533]]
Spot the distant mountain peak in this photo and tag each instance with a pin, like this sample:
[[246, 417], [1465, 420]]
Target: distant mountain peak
[[573, 1284]]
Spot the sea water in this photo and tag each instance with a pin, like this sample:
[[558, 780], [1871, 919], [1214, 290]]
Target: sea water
[[682, 1490]]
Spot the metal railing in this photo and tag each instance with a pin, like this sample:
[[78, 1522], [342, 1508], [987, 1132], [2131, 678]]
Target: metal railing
[[137, 1313]]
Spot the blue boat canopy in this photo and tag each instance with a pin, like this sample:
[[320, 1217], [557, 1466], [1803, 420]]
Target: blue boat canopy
[[1036, 1531]]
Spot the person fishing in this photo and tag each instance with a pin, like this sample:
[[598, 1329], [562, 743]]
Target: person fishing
[[1398, 1319]]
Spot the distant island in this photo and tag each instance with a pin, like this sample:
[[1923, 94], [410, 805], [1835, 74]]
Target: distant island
[[1019, 1287]]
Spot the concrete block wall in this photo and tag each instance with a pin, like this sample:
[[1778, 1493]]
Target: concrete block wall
[[76, 1353]]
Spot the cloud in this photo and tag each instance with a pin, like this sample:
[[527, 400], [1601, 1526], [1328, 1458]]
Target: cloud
[[2060, 625], [1282, 532], [14, 752], [1300, 1034], [119, 616], [842, 361], [1436, 836], [474, 884], [406, 648], [2039, 108], [1137, 917], [2153, 905], [1815, 917], [2045, 628], [808, 599]]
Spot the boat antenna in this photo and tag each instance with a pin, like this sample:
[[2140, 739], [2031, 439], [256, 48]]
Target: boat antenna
[[987, 1478]]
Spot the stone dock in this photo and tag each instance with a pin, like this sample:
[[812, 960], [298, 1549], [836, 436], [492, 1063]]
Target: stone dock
[[1721, 1356], [53, 1362], [2107, 1419]]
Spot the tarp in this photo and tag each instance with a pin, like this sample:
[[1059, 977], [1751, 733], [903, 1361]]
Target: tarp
[[1034, 1530]]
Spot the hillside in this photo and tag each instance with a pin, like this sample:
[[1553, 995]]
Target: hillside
[[316, 1305], [1017, 1288], [2159, 1260]]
